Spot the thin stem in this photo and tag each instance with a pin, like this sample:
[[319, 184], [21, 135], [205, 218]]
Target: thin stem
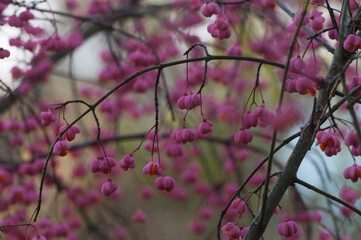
[[329, 196], [280, 102], [156, 124]]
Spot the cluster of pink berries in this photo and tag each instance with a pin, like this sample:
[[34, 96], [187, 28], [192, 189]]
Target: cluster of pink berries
[[32, 168], [315, 21], [301, 85], [40, 65], [259, 117], [163, 183], [220, 28], [14, 127], [61, 147], [185, 135], [105, 165], [287, 228]]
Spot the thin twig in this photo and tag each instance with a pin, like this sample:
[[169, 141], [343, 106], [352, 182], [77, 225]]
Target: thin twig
[[329, 196]]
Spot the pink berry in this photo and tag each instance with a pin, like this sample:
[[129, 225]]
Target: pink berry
[[231, 230], [329, 143], [39, 237], [71, 4], [26, 16], [353, 173], [219, 29], [97, 165], [349, 195], [352, 42], [297, 65], [239, 206], [264, 116], [206, 127], [61, 148], [249, 120], [146, 193], [352, 140], [197, 227], [205, 213], [109, 188], [165, 183], [4, 53], [74, 40], [209, 9], [70, 133], [243, 137], [47, 118], [139, 216], [297, 18], [234, 50], [317, 20], [152, 168], [16, 140], [185, 135], [287, 228], [127, 162]]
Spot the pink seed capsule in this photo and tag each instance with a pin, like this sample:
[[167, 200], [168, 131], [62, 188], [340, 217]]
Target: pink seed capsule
[[108, 188], [353, 173], [209, 9], [206, 127], [243, 137], [287, 228], [165, 183], [127, 162]]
